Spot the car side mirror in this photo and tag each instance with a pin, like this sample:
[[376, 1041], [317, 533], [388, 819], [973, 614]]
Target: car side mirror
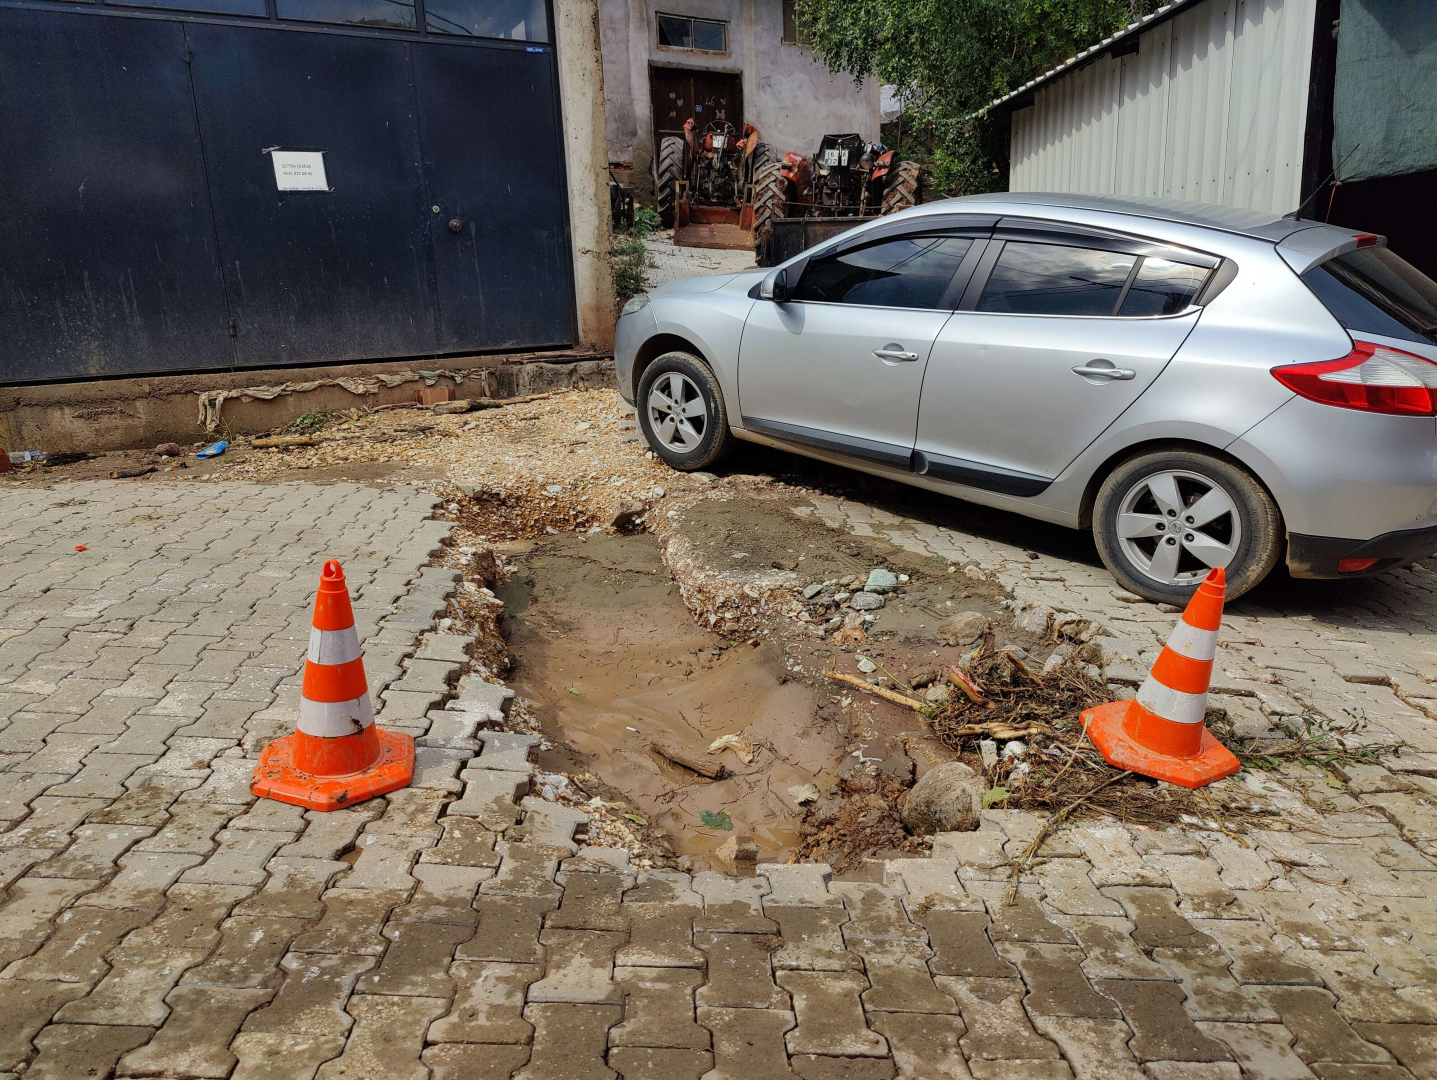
[[774, 287]]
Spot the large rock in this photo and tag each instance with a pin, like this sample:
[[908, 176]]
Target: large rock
[[866, 601], [947, 799], [963, 628]]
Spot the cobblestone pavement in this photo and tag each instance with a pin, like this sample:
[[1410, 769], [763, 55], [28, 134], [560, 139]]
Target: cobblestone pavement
[[159, 922]]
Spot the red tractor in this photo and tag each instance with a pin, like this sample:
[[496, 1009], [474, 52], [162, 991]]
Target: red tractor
[[846, 179], [708, 179]]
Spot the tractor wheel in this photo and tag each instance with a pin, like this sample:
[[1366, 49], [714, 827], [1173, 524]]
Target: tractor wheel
[[668, 171], [902, 190], [761, 156], [770, 198]]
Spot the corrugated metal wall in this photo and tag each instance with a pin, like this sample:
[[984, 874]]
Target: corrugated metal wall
[[1211, 108]]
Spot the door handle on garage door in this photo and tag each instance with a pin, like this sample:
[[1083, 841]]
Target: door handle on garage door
[[894, 352], [1105, 370]]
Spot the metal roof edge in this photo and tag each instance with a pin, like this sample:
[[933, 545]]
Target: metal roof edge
[[1147, 22]]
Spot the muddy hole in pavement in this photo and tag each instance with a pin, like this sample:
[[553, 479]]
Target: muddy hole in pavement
[[612, 661]]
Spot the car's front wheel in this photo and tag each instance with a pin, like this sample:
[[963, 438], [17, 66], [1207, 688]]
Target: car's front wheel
[[681, 412], [1163, 520]]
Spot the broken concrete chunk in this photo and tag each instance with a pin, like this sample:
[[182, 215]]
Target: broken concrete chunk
[[880, 581], [963, 628], [947, 799]]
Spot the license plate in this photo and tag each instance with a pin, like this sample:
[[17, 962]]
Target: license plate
[[835, 157], [719, 141]]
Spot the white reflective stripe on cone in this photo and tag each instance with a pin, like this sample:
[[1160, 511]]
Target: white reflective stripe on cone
[[331, 719], [1172, 704], [1189, 641], [333, 646]]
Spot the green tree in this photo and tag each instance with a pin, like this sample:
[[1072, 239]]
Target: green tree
[[950, 58]]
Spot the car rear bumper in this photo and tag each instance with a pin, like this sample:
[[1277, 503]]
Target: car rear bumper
[[1320, 556]]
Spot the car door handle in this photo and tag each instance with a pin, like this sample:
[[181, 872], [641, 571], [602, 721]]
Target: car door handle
[[1113, 374], [894, 354]]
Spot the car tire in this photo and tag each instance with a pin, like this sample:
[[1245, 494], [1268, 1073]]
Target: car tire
[[1141, 501], [697, 438]]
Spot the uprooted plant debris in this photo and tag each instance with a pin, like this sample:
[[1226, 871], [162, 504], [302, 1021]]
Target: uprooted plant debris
[[860, 817], [1054, 769]]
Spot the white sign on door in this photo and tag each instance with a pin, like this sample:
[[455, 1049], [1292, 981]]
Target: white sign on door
[[299, 170]]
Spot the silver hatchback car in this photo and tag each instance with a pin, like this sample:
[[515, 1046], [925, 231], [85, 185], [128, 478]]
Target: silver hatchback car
[[1200, 386]]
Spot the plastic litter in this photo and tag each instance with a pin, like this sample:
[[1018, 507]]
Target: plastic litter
[[24, 457], [213, 450]]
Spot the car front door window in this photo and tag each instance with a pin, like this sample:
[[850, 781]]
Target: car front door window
[[911, 272]]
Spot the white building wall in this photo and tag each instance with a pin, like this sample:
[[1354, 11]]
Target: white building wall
[[1211, 108]]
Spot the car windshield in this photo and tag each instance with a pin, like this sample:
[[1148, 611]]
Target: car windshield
[[1374, 291]]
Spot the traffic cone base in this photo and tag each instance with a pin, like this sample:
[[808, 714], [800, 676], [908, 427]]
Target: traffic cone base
[[278, 777], [1111, 728]]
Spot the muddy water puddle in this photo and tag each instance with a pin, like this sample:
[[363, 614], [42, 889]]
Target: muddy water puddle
[[613, 661]]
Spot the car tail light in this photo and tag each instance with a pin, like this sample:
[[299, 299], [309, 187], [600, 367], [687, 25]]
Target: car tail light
[[1373, 378], [1354, 566]]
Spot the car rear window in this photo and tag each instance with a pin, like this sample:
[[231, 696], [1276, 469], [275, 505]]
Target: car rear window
[[1373, 291]]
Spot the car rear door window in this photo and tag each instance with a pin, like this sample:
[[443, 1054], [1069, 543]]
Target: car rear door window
[[1055, 279], [1162, 287], [1372, 290], [911, 272]]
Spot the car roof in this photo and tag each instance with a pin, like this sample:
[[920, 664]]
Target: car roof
[[1260, 224]]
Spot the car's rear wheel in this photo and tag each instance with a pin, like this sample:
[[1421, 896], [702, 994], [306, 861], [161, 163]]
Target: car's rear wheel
[[1163, 520], [681, 412]]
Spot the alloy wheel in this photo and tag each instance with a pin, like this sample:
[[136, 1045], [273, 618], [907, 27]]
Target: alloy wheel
[[677, 413], [1174, 526]]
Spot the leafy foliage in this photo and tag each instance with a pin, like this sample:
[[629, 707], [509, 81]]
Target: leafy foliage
[[311, 422], [950, 58], [631, 264]]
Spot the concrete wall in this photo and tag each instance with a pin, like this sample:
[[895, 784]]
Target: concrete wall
[[581, 100], [1211, 108], [787, 94]]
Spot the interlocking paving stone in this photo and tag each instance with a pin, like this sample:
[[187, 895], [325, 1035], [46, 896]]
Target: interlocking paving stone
[[488, 1003], [1095, 1049], [416, 962], [732, 905], [579, 967], [1321, 1033], [72, 1050], [190, 919], [961, 945], [444, 895], [798, 885], [387, 1038], [27, 1007], [923, 1045], [998, 1028], [740, 972], [830, 1016], [466, 842], [525, 870], [134, 989], [656, 1063], [812, 939], [825, 1067], [75, 951], [1212, 993], [469, 1061], [249, 952], [1056, 984], [899, 977], [659, 940], [659, 1009], [282, 1056], [1162, 1031], [508, 930], [194, 1040], [293, 889], [590, 902], [569, 1041], [748, 1043], [1265, 1050], [312, 997]]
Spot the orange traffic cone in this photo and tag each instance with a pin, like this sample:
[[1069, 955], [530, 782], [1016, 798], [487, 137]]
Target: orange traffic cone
[[1160, 733], [336, 756]]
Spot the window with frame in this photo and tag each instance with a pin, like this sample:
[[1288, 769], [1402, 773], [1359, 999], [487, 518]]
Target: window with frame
[[908, 272], [386, 14], [1054, 279], [793, 31], [701, 35], [517, 20]]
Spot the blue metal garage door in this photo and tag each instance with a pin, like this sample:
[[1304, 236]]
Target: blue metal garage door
[[201, 192]]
